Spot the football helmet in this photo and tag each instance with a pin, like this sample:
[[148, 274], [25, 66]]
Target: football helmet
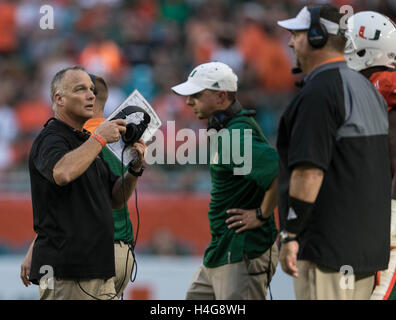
[[371, 41]]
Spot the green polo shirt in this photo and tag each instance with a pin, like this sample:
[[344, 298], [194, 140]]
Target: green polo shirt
[[239, 191], [122, 223]]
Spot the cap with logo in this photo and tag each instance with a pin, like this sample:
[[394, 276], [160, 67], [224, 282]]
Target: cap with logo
[[303, 22], [211, 75]]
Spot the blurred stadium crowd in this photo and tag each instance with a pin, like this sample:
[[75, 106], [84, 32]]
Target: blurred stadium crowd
[[146, 45]]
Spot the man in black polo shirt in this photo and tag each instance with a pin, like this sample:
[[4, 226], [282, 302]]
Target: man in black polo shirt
[[334, 177], [73, 193]]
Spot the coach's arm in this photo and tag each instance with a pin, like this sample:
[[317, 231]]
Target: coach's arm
[[74, 163], [305, 183], [130, 181], [245, 219]]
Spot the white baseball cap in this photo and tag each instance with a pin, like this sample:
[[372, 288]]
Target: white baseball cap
[[303, 21], [211, 75]]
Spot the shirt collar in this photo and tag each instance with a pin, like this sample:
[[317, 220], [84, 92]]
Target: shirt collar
[[82, 135], [326, 65]]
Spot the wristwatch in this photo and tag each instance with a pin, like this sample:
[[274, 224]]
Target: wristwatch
[[285, 238], [134, 173], [259, 215]]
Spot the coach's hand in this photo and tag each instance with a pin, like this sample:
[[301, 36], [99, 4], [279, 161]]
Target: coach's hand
[[288, 258], [112, 130], [140, 147], [25, 268], [243, 220]]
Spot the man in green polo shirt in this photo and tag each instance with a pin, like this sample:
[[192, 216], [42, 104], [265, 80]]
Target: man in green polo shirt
[[242, 255], [123, 231]]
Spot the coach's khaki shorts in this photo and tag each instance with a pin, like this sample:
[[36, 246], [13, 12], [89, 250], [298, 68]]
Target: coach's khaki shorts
[[92, 289], [122, 270], [245, 280], [318, 283]]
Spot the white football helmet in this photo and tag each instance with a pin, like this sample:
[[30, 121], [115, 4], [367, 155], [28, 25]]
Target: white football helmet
[[371, 41]]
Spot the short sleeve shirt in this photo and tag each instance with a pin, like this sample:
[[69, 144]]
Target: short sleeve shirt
[[74, 223], [338, 123]]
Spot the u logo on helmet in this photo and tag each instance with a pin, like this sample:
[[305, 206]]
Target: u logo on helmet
[[376, 36]]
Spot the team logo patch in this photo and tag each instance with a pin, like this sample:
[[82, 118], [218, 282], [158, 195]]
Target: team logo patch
[[192, 73], [292, 214]]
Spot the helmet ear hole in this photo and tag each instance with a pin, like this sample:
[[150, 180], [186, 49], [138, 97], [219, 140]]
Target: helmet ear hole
[[361, 53]]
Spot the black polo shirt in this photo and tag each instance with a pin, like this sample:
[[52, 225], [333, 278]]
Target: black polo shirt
[[338, 123], [74, 223]]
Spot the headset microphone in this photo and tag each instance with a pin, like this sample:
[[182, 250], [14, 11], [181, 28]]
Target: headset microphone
[[296, 70]]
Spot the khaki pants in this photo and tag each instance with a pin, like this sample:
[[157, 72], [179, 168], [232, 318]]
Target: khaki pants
[[245, 280], [92, 289], [122, 270], [317, 283]]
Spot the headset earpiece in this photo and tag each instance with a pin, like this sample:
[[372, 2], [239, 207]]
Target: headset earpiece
[[134, 130], [93, 79], [317, 33]]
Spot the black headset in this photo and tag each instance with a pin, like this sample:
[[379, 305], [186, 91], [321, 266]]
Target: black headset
[[133, 131], [317, 32], [219, 119], [93, 79]]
